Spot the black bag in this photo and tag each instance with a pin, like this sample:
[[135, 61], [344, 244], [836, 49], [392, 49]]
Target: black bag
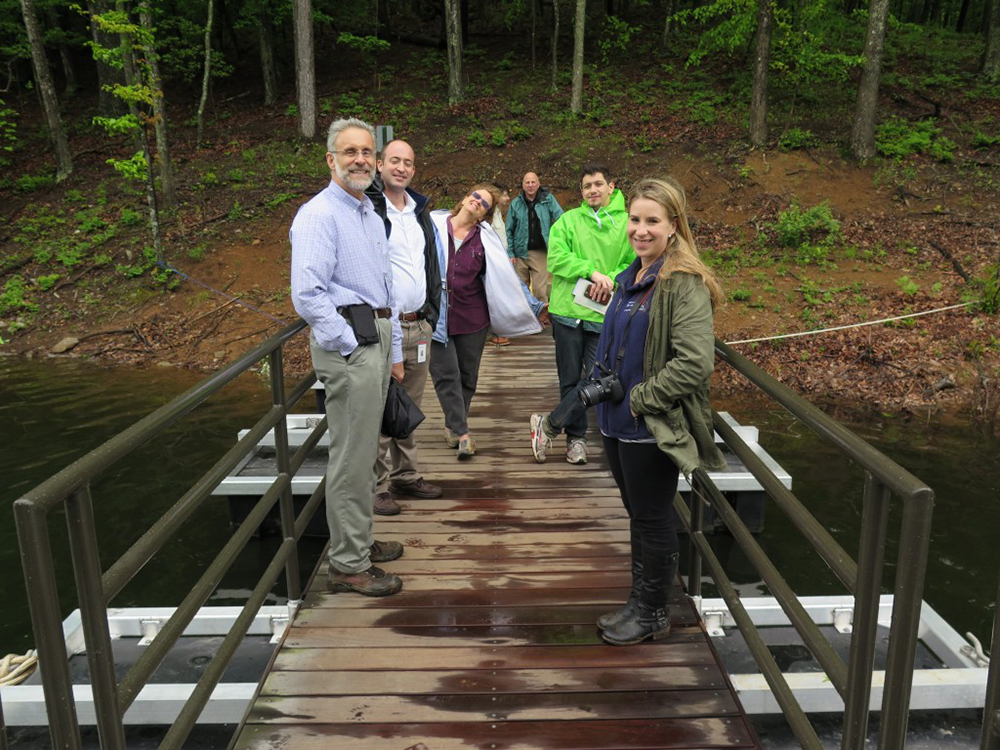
[[362, 319], [401, 416]]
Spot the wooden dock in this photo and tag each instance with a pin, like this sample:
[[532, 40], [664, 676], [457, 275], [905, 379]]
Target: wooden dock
[[492, 643]]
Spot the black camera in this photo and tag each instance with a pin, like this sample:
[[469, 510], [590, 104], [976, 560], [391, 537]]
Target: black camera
[[606, 388]]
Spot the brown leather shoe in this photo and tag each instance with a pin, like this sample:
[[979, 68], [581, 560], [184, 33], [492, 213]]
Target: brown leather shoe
[[385, 505], [371, 582], [418, 488], [385, 551]]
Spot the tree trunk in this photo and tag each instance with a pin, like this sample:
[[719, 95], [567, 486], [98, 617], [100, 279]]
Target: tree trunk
[[991, 55], [305, 67], [168, 185], [762, 59], [671, 6], [109, 104], [207, 77], [555, 42], [863, 131], [534, 9], [47, 92], [453, 32], [962, 14], [142, 141], [267, 66], [65, 57], [576, 98]]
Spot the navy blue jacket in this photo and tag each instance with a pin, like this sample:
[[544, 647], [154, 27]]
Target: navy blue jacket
[[616, 420]]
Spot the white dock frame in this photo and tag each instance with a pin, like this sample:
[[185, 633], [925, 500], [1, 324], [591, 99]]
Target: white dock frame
[[960, 683], [157, 703]]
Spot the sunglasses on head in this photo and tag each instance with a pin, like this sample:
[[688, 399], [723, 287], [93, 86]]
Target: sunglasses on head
[[482, 201]]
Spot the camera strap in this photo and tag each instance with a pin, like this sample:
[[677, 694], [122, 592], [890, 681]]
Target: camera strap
[[621, 349]]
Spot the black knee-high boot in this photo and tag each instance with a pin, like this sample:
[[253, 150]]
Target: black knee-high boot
[[651, 618], [611, 619]]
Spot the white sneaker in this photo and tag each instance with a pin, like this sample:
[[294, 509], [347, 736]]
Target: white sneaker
[[576, 451], [540, 442]]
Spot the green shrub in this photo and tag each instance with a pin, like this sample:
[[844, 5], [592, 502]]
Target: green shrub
[[30, 182], [983, 140], [908, 285], [13, 298], [984, 291], [207, 180], [795, 139], [498, 137], [897, 138], [740, 295], [129, 217], [797, 226], [47, 282]]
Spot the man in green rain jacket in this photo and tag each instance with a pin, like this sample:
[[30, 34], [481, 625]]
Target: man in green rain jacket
[[589, 243]]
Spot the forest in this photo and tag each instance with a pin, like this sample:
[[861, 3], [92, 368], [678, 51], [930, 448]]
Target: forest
[[841, 158]]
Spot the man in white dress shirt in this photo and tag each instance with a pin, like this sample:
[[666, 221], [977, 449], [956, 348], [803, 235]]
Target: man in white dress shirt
[[416, 281]]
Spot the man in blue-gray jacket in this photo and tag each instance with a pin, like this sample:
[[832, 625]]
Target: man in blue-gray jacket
[[531, 215]]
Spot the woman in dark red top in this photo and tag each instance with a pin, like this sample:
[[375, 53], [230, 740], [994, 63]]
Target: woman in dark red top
[[458, 343]]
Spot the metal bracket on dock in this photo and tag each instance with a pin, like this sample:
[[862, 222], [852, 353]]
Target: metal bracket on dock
[[843, 619], [150, 629], [713, 622], [279, 623]]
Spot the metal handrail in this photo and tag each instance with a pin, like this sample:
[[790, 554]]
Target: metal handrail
[[990, 738], [70, 488], [883, 479]]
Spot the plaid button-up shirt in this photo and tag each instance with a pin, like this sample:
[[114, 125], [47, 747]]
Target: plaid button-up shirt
[[340, 256]]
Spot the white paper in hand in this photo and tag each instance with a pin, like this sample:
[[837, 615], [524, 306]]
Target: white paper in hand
[[581, 298]]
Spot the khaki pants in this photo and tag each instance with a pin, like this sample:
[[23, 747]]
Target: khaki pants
[[523, 272], [355, 389], [397, 459], [541, 280]]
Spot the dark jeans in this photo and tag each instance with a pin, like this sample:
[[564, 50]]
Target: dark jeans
[[575, 352], [455, 371], [647, 479]]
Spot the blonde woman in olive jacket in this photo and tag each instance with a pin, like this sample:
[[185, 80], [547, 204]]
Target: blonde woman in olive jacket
[[658, 338]]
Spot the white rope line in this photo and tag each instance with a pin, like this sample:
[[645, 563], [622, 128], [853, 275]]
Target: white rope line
[[852, 325]]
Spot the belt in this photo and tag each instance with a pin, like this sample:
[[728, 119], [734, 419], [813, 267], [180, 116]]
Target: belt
[[378, 312], [410, 317]]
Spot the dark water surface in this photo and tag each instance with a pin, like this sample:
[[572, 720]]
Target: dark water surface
[[54, 412]]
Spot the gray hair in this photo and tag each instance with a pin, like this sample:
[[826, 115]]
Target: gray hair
[[339, 126]]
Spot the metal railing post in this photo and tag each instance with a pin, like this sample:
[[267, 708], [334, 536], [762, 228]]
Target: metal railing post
[[286, 501], [3, 729], [871, 564], [46, 623], [911, 567], [94, 617], [697, 509], [990, 739]]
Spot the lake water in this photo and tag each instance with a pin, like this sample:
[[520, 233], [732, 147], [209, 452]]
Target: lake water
[[53, 412]]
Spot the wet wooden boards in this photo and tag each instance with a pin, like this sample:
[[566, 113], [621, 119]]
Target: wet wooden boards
[[492, 643]]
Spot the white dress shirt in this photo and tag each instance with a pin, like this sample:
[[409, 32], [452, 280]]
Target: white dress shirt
[[406, 251]]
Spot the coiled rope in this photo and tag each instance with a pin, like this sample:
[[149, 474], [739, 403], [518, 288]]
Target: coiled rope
[[15, 668]]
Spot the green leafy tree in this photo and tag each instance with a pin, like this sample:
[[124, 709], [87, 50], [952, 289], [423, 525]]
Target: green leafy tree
[[139, 92]]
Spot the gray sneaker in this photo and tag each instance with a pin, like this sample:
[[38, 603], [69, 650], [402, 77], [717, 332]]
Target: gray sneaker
[[576, 451], [540, 442]]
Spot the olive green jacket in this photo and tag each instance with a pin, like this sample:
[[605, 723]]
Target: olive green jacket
[[678, 363]]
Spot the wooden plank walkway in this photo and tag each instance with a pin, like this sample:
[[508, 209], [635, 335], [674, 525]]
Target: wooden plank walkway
[[492, 642]]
